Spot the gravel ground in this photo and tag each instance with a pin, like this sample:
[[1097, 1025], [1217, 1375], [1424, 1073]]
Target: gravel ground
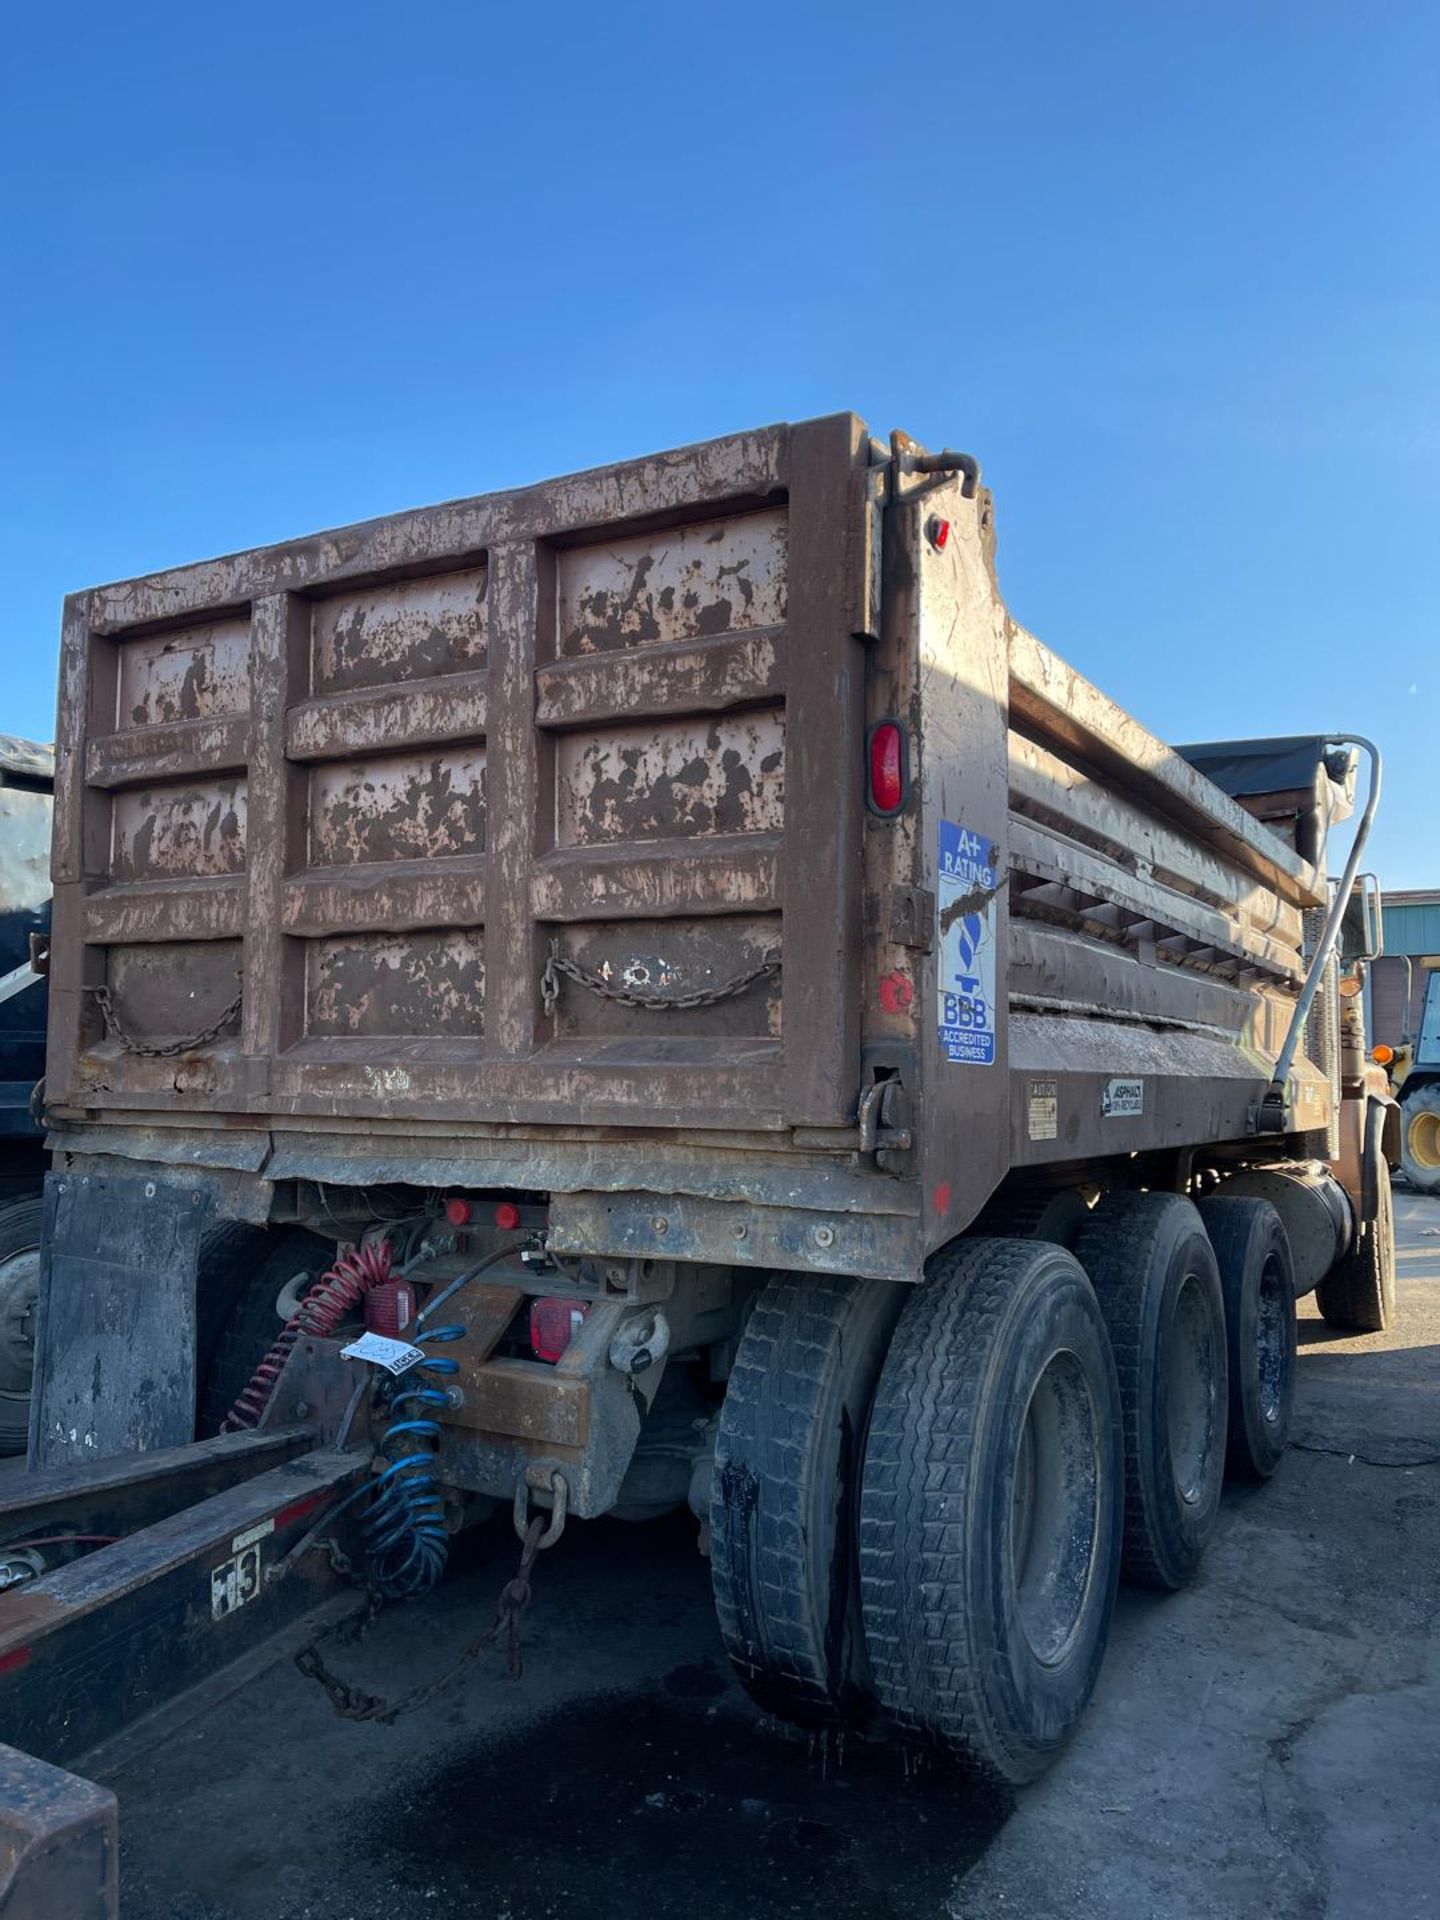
[[1267, 1742]]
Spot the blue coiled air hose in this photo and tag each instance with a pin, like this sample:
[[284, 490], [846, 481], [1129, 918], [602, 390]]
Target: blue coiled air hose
[[406, 1539]]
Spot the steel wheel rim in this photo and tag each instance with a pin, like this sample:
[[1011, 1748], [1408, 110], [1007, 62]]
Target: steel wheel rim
[[1055, 1509], [1190, 1379], [19, 1290], [1272, 1344], [1424, 1140]]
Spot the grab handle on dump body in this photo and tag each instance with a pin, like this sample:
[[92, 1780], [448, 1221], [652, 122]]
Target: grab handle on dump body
[[1272, 1107]]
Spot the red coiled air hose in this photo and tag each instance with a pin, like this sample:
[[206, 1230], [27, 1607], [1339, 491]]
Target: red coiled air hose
[[333, 1295]]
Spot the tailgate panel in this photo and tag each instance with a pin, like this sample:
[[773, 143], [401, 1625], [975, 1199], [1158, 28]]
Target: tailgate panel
[[389, 772]]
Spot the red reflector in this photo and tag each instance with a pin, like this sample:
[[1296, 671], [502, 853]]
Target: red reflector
[[553, 1325], [390, 1309], [17, 1657], [507, 1216], [939, 532], [457, 1212], [887, 768]]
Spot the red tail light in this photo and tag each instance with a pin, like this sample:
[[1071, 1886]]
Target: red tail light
[[553, 1325], [889, 787]]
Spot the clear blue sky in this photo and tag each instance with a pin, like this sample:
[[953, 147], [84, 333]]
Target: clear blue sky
[[1170, 269]]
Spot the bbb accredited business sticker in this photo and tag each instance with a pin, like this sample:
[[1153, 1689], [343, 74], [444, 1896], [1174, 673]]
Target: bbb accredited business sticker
[[965, 916]]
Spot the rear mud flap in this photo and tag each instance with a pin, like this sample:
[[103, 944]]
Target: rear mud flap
[[115, 1333]]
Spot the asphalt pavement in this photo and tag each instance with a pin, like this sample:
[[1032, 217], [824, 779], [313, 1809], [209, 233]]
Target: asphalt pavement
[[1265, 1743]]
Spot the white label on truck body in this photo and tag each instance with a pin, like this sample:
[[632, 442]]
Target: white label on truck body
[[965, 916], [1042, 1111], [396, 1356], [1123, 1099], [235, 1582]]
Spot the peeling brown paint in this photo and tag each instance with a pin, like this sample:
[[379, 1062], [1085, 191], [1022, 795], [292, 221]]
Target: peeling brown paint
[[404, 630], [420, 985], [409, 807], [179, 832], [680, 778], [189, 674], [722, 576]]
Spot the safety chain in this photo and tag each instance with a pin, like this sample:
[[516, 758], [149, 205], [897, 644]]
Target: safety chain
[[354, 1704], [596, 983], [130, 1044]]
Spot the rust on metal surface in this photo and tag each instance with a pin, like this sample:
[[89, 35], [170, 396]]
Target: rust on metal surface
[[409, 807], [406, 630], [179, 832], [726, 775], [191, 673], [721, 576], [522, 1400], [398, 985]]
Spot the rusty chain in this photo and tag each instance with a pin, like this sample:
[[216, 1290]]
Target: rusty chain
[[558, 964], [130, 1044], [353, 1703]]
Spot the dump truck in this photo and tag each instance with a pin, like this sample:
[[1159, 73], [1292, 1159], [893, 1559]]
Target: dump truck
[[717, 1014]]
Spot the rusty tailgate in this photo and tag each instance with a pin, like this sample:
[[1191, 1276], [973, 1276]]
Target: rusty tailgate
[[445, 800]]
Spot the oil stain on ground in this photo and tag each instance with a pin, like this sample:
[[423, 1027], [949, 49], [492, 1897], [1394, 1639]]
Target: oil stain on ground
[[663, 1803]]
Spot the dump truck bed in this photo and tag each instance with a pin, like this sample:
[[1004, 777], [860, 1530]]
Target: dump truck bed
[[523, 843]]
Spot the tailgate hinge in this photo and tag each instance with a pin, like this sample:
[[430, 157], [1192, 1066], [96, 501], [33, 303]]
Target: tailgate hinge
[[912, 917], [885, 1131]]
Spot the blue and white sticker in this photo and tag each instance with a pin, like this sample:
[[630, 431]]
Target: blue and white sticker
[[965, 914]]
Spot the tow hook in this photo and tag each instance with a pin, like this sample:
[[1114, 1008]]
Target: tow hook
[[641, 1343], [560, 1497]]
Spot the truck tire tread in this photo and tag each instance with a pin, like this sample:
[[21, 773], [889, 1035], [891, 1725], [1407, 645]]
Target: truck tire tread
[[1423, 1098], [940, 1387], [1358, 1293], [1121, 1248], [1248, 1235], [811, 1349]]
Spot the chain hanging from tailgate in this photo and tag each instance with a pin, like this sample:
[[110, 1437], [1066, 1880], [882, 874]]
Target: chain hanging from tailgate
[[631, 996], [115, 1025]]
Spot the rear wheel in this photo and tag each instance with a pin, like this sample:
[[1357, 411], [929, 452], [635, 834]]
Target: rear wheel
[[991, 1506], [1159, 1289], [1257, 1277], [240, 1324], [1358, 1293], [1420, 1136], [782, 1508], [19, 1288]]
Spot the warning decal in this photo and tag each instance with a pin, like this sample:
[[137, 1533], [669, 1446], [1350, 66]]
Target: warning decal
[[965, 915]]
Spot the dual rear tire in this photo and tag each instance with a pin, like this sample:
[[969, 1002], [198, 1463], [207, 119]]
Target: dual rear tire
[[924, 1507], [920, 1507]]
